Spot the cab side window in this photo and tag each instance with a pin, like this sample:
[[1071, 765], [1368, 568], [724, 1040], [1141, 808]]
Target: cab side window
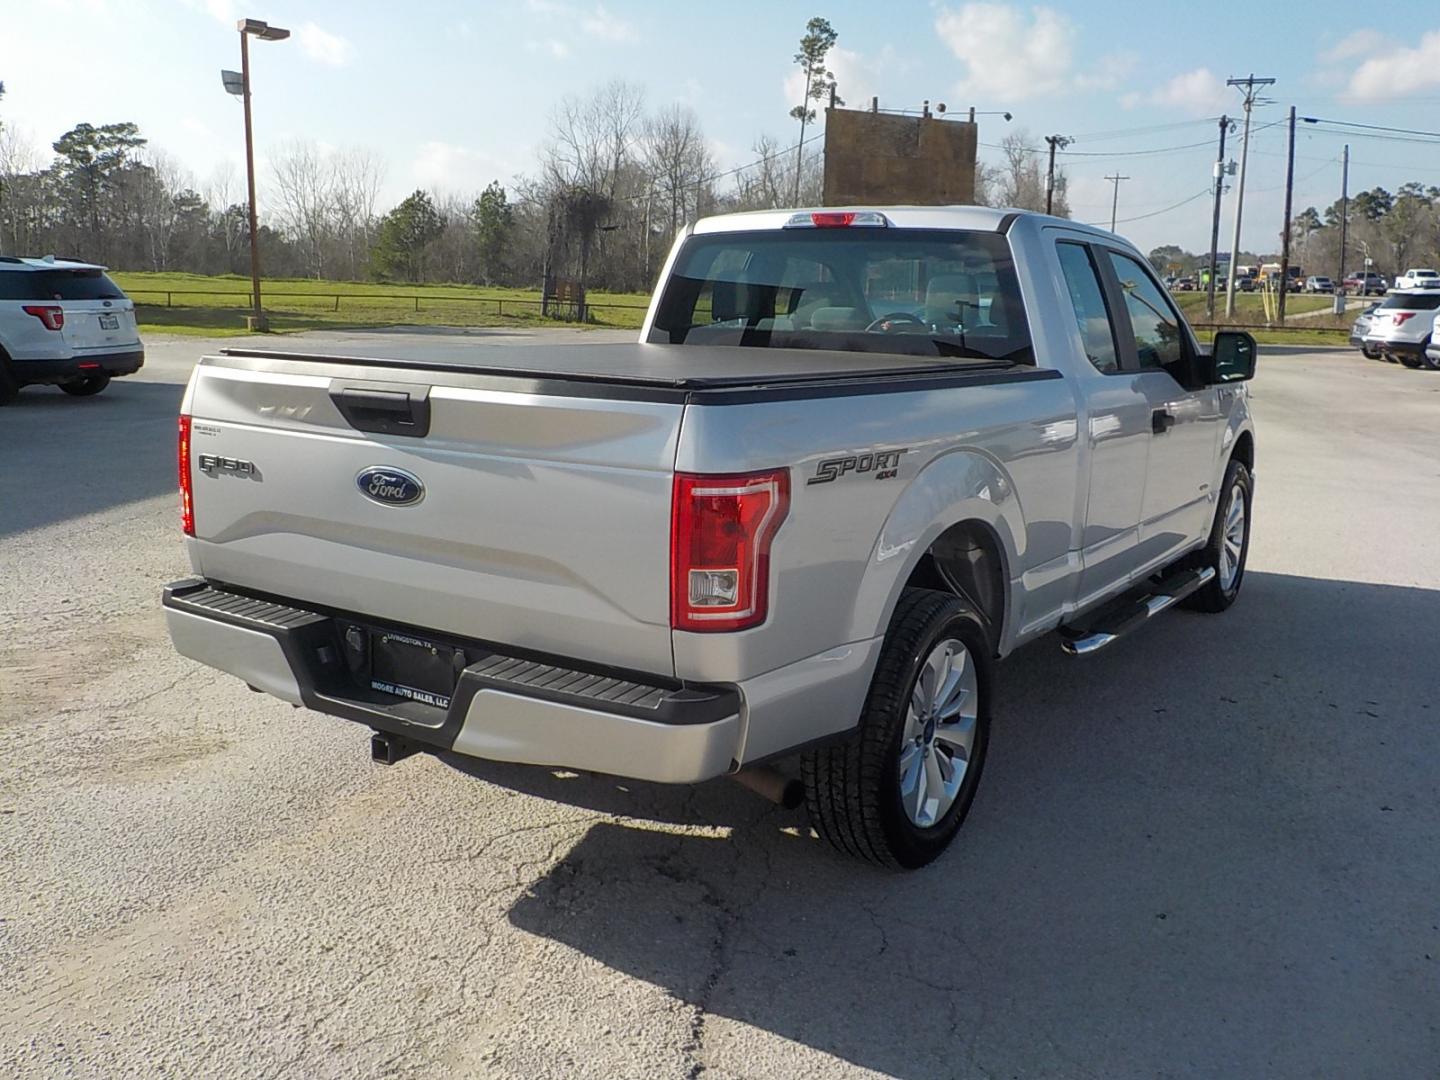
[[1087, 299], [1156, 327]]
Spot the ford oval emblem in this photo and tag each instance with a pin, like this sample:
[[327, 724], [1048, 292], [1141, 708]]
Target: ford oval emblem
[[390, 487]]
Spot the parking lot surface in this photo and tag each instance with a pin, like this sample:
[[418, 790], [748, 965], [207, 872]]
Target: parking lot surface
[[1209, 851]]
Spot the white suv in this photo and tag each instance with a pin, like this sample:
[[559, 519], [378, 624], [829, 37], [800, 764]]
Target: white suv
[[64, 323], [1400, 328], [1418, 279]]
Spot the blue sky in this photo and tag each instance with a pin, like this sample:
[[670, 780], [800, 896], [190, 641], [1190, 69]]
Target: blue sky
[[454, 94]]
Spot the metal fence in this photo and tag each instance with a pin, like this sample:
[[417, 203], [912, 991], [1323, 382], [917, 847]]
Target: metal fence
[[517, 305]]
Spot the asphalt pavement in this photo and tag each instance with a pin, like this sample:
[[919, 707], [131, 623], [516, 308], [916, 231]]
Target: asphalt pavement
[[1209, 851]]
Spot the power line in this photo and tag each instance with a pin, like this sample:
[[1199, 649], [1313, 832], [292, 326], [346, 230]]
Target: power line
[[1370, 127], [1156, 213]]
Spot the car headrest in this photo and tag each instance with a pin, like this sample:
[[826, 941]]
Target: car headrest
[[837, 318], [951, 298]]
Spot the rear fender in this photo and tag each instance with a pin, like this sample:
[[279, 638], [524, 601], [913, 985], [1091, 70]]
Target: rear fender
[[960, 486]]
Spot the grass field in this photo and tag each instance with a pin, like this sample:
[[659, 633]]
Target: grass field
[[217, 306]]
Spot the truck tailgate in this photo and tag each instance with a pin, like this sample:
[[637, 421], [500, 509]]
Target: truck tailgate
[[539, 520]]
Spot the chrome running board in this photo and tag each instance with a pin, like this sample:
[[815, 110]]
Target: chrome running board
[[1118, 618]]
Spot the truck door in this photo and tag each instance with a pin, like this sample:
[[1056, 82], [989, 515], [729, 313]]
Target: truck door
[[1118, 430], [1184, 423]]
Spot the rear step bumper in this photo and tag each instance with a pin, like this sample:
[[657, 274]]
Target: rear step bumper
[[1115, 620], [505, 707]]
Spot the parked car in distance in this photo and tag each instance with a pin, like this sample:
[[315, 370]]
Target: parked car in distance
[[1319, 283], [1423, 278], [1359, 328], [63, 323], [1400, 327], [1365, 283], [1185, 284], [856, 456]]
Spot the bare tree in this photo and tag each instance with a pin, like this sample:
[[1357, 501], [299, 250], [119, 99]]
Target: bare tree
[[1021, 179], [357, 175], [304, 199]]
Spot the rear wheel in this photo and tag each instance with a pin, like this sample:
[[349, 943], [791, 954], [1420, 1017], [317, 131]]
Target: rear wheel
[[1371, 353], [86, 387], [898, 790], [9, 382], [1409, 360]]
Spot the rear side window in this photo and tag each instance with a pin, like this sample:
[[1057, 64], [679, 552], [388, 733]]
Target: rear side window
[[58, 285], [1156, 326], [1087, 298], [939, 293], [1412, 301]]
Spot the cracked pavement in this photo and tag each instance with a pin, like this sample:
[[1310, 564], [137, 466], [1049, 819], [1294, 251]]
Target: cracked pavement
[[1208, 851]]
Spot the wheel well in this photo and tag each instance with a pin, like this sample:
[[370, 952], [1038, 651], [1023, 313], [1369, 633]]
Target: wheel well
[[1245, 450], [967, 560]]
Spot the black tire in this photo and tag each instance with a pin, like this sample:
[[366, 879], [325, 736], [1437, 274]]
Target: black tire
[[86, 387], [9, 382], [853, 789], [1217, 595], [1409, 360], [1372, 353]]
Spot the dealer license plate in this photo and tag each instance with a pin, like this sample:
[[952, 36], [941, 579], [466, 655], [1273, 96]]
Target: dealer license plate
[[411, 668]]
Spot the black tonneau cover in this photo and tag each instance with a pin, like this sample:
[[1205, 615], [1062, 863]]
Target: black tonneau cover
[[720, 374], [633, 364]]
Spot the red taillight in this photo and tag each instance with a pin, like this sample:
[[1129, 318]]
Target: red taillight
[[721, 528], [52, 315], [823, 219], [1401, 316], [187, 501]]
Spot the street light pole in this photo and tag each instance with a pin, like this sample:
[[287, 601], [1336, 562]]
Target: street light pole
[[264, 32], [257, 313]]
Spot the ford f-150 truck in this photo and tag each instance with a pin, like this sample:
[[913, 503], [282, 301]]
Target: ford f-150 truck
[[856, 457]]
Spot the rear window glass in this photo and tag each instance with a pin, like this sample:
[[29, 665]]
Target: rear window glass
[[58, 285], [1412, 301], [945, 293]]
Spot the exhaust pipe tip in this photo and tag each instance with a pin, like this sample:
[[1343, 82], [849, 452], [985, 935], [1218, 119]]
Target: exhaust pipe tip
[[772, 784]]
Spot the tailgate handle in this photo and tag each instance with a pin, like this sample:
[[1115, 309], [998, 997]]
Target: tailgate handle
[[384, 412]]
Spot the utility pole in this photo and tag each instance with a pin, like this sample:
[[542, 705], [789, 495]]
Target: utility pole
[[1215, 222], [1115, 200], [1344, 229], [1285, 238], [1250, 83], [1056, 142]]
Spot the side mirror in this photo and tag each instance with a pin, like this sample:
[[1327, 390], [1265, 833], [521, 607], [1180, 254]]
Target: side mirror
[[1231, 359]]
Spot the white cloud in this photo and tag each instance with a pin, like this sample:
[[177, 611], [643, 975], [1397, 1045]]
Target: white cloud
[[1200, 92], [595, 22], [1008, 55], [323, 46], [554, 46], [601, 24], [1360, 43], [442, 166], [1397, 72]]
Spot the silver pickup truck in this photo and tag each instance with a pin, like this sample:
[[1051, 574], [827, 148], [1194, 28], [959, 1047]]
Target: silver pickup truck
[[856, 457]]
